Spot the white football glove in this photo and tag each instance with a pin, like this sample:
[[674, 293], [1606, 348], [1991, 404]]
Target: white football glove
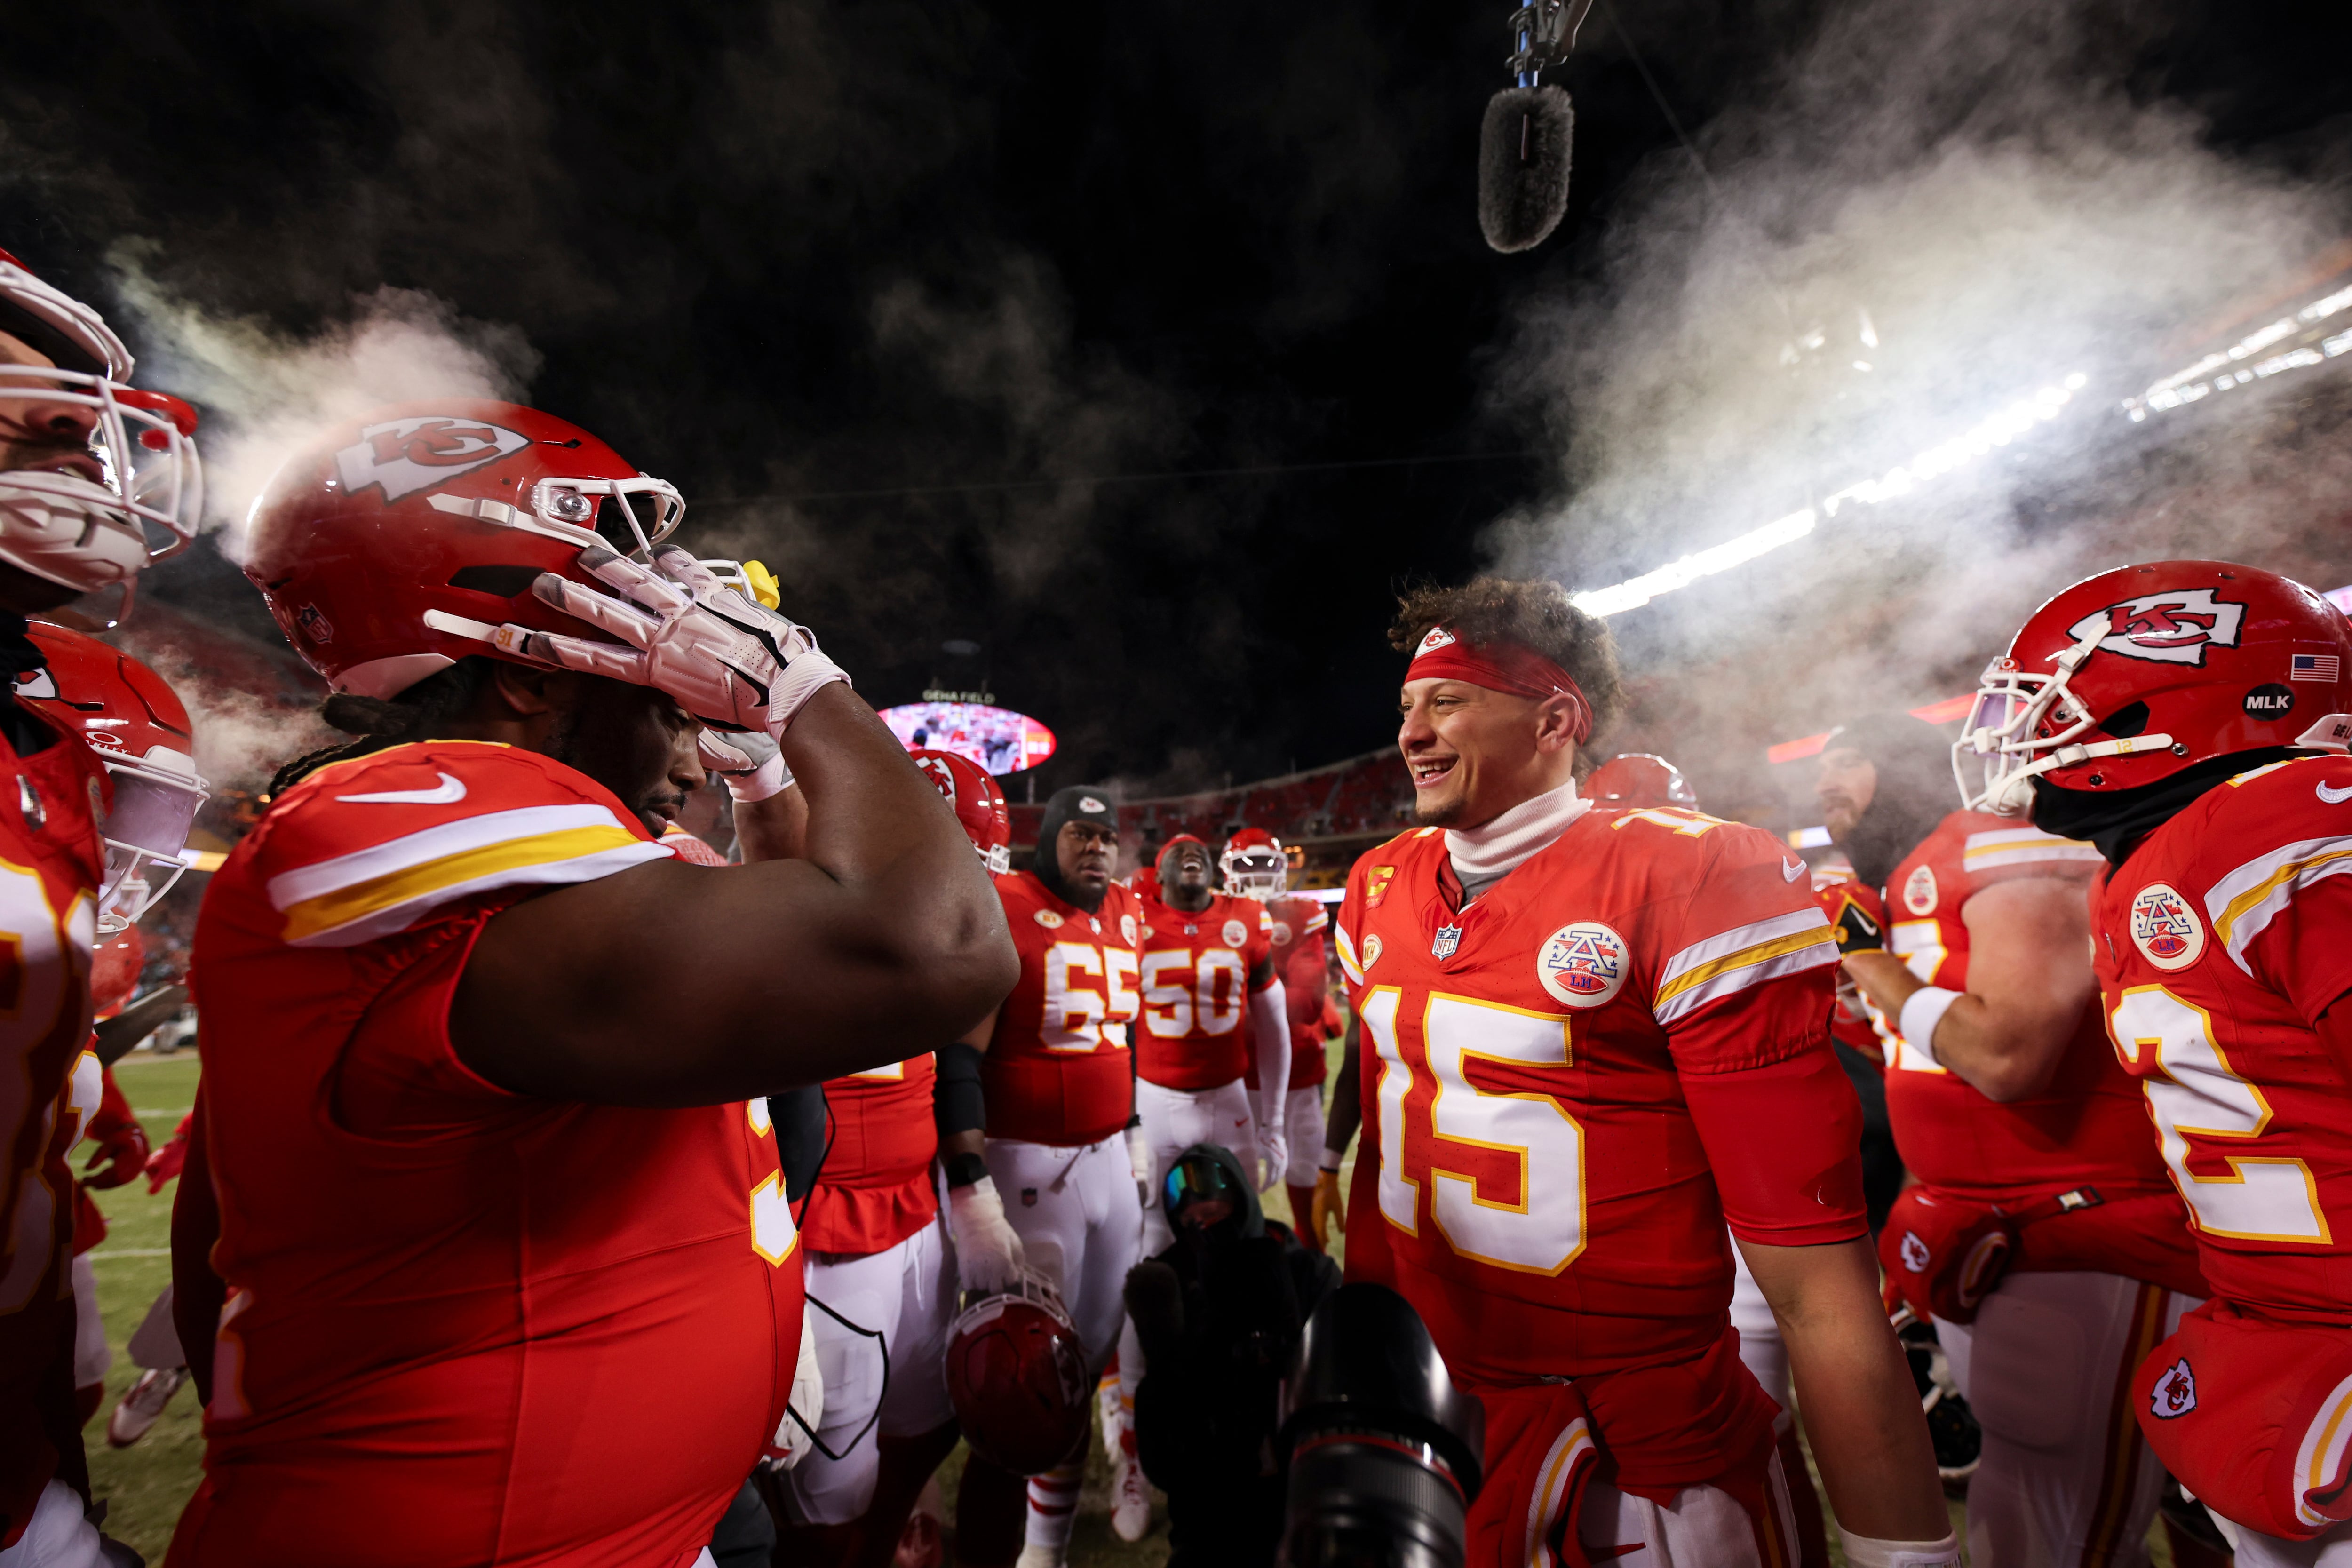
[[804, 1411], [988, 1250], [746, 761], [1139, 1160], [1272, 1148], [726, 659]]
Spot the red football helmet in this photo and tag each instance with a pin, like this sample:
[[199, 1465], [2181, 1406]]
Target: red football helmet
[[2129, 676], [1633, 780], [92, 517], [394, 546], [136, 725], [1017, 1375], [114, 969], [979, 805], [1255, 865]]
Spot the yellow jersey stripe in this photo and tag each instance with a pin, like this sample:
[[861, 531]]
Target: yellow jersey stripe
[[2258, 892], [1761, 952], [483, 868]]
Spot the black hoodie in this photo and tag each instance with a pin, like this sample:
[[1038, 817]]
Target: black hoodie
[[1078, 802]]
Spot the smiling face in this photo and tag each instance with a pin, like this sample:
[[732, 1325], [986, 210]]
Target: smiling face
[[1473, 753], [1086, 851], [1844, 786], [1184, 874]]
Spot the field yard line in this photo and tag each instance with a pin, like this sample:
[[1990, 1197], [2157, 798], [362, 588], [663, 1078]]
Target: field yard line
[[129, 1252]]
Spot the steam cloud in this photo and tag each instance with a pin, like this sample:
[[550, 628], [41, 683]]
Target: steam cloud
[[1933, 212]]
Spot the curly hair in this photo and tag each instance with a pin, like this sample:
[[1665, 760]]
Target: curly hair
[[1535, 614], [415, 714]]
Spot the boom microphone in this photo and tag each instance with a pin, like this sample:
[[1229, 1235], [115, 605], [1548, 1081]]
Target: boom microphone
[[1524, 144]]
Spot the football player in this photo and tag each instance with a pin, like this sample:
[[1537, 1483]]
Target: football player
[[2042, 1236], [881, 1278], [1209, 988], [1599, 1035], [98, 480], [1256, 867], [1059, 1084], [484, 1058], [2188, 720]]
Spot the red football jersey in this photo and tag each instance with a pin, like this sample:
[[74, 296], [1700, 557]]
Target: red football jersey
[[50, 862], [1058, 1071], [1302, 962], [2219, 944], [463, 1324], [1583, 1074], [875, 1188], [2087, 1126], [1194, 983]]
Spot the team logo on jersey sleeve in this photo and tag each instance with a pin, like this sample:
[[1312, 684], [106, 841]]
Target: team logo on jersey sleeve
[[1236, 933], [1371, 950], [1048, 919], [401, 456], [2169, 628], [1282, 933], [1582, 964], [2175, 1393], [1919, 891], [2165, 928]]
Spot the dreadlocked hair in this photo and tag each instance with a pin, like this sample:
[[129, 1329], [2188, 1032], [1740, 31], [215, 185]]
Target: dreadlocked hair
[[1536, 613], [418, 713]]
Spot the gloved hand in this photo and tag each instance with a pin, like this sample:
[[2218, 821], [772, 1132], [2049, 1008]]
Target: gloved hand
[[165, 1164], [1274, 1148], [727, 660], [1857, 929], [988, 1250], [746, 761], [1139, 1160], [805, 1410], [123, 1153], [1330, 1208]]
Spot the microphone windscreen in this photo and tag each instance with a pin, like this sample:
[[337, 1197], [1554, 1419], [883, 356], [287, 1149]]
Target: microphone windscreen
[[1523, 151]]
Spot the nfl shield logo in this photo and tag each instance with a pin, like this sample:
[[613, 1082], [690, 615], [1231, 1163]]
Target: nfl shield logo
[[1448, 939]]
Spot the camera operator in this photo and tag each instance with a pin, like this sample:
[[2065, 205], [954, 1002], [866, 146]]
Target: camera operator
[[1220, 1314]]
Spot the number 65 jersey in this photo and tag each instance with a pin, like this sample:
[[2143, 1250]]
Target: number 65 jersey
[[2219, 943], [1584, 1073]]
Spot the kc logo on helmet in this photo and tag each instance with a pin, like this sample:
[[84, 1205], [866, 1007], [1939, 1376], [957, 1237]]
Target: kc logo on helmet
[[401, 456], [1582, 964], [2170, 628], [2175, 1393]]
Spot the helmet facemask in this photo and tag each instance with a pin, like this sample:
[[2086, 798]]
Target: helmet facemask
[[146, 836], [92, 533], [2003, 732]]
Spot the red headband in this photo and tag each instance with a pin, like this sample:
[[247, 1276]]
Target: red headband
[[1500, 667]]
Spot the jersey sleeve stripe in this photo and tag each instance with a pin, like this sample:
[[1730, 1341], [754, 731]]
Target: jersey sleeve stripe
[[1708, 971], [1347, 952], [1317, 921], [2243, 903], [2021, 846], [303, 883], [391, 903]]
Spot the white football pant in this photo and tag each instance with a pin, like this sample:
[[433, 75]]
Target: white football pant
[[91, 1356], [58, 1535], [2047, 1369], [906, 1293], [2332, 1550], [1761, 1346], [1176, 1118], [1302, 1123], [1702, 1527]]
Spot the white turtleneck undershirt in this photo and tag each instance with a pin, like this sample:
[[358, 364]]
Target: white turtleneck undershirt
[[1485, 855]]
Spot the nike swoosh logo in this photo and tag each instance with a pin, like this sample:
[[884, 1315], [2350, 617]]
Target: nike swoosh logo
[[1792, 870], [2336, 797], [450, 789]]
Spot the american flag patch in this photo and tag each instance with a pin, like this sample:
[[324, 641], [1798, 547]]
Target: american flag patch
[[2314, 667]]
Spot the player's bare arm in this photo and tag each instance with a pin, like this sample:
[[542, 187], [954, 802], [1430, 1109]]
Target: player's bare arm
[[885, 938], [2028, 980], [1861, 1409]]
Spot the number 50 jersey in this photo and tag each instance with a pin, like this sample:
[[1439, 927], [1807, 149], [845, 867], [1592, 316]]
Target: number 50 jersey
[[1584, 1073]]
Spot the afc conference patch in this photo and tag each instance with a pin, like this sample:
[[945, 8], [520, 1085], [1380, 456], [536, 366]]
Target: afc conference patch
[[1582, 964], [2165, 928]]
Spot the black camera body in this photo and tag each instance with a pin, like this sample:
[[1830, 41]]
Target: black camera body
[[1385, 1454]]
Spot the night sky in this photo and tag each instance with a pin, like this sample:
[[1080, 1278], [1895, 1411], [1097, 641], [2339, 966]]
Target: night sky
[[923, 302]]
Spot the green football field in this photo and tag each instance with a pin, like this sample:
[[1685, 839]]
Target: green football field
[[145, 1486]]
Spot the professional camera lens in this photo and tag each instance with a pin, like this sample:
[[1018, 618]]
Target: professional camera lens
[[1362, 1499]]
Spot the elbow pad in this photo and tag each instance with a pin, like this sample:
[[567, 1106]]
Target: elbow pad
[[802, 1134], [957, 1105]]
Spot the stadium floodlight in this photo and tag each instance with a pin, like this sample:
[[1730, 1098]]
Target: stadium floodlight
[[2225, 368], [1904, 478]]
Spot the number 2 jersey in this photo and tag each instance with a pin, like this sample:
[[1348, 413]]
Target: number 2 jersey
[[1573, 1082], [2219, 944], [463, 1324], [1058, 1069], [50, 862], [2086, 1126], [1193, 1031]]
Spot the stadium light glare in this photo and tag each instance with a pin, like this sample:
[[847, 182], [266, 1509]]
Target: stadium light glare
[[1996, 430]]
